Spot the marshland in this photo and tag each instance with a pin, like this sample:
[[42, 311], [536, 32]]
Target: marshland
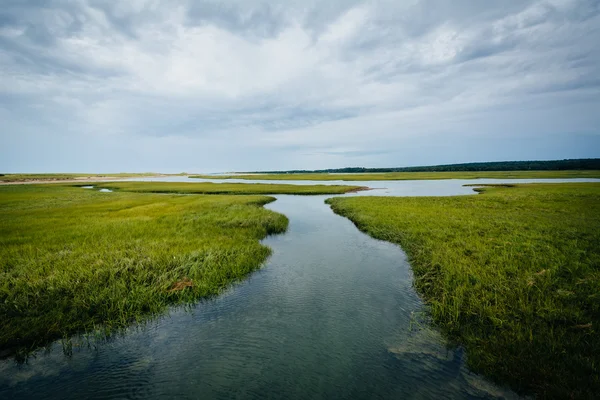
[[488, 295], [75, 260], [512, 275]]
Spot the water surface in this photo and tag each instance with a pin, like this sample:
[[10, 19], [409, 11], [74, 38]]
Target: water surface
[[442, 187]]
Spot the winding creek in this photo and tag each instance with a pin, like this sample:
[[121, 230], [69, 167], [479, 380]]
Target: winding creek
[[332, 314]]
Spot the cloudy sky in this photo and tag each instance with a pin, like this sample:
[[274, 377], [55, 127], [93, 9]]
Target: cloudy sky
[[203, 86]]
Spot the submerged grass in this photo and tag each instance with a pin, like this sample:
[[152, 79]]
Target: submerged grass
[[225, 188], [513, 275], [391, 176], [74, 260]]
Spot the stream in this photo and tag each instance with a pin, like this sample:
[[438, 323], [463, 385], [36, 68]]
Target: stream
[[332, 314]]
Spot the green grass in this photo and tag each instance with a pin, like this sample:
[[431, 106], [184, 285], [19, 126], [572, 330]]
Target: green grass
[[75, 260], [512, 274], [224, 188], [64, 177], [390, 176]]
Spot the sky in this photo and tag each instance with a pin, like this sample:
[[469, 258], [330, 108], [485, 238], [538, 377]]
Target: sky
[[245, 85]]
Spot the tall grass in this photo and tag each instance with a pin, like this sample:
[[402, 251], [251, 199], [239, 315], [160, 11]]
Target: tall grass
[[512, 274], [74, 260], [390, 176]]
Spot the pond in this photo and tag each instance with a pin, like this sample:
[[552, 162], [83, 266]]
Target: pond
[[332, 314], [103, 190]]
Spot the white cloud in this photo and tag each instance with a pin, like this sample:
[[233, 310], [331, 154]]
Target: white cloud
[[293, 77]]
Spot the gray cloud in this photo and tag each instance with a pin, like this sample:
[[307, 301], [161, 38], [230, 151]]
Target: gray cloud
[[213, 85]]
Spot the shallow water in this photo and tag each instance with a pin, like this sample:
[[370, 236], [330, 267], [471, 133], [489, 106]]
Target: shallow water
[[104, 190], [331, 315], [442, 187]]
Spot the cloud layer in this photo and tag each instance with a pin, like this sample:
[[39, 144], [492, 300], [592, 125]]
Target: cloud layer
[[246, 85]]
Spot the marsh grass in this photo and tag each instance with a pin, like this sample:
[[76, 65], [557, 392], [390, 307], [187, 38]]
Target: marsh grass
[[74, 260], [224, 188], [390, 176], [512, 274]]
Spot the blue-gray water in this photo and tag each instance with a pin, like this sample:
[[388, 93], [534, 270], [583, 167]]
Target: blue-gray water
[[444, 187], [332, 314]]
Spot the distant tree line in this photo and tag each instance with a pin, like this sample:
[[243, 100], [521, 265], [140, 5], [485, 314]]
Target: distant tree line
[[554, 165]]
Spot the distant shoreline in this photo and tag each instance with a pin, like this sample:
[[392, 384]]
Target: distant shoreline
[[401, 176], [78, 179]]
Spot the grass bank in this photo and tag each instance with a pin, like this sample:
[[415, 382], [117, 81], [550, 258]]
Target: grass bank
[[225, 188], [391, 176], [512, 274], [74, 260]]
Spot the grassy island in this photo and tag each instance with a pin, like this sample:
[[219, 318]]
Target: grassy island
[[512, 274], [75, 260]]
